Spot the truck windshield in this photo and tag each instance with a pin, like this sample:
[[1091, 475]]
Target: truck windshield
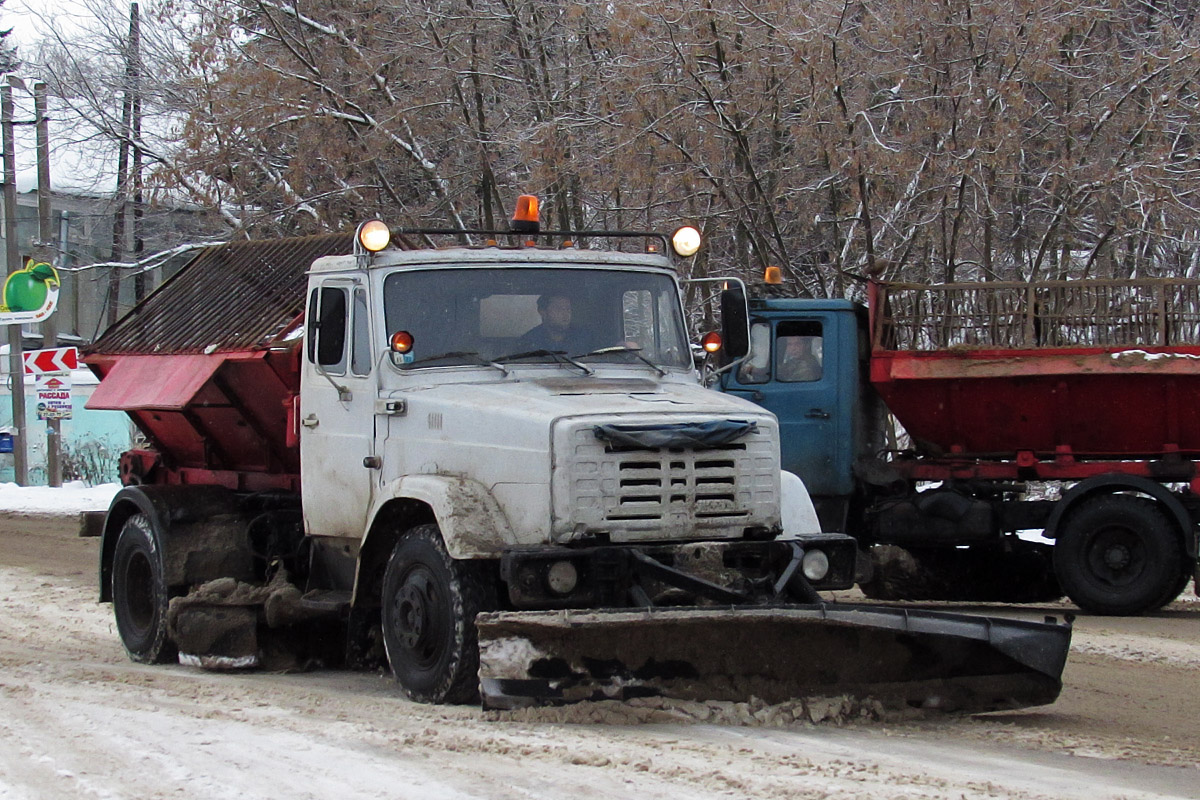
[[530, 315]]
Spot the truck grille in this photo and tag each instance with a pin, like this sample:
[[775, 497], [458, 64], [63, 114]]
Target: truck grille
[[650, 493], [648, 486]]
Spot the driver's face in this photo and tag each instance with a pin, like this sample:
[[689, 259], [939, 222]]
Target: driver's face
[[558, 313]]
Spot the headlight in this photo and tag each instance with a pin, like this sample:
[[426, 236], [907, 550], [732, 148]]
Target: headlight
[[815, 565], [562, 577]]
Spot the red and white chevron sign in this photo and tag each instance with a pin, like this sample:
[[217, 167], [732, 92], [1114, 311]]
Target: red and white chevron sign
[[57, 359]]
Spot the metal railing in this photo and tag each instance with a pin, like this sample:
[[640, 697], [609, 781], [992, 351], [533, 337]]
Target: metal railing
[[1085, 313]]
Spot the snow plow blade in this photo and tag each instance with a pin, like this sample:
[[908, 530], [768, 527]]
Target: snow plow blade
[[901, 658]]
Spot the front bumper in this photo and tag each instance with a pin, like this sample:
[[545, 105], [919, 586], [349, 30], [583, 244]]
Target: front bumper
[[693, 573]]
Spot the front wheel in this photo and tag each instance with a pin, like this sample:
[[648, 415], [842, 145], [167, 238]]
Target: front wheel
[[139, 592], [1118, 555], [429, 607]]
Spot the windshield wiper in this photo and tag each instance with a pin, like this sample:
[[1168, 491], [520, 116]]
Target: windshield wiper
[[558, 355], [633, 351], [470, 355]]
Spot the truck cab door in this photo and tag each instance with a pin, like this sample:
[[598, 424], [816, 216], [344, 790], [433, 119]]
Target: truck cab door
[[337, 401], [793, 371]]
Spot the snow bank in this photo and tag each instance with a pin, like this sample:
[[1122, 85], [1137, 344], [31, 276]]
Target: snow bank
[[71, 498]]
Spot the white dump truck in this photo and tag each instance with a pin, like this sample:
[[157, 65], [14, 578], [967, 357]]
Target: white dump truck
[[485, 460]]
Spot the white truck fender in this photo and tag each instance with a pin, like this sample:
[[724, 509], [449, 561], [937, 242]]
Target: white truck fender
[[471, 521], [796, 509]]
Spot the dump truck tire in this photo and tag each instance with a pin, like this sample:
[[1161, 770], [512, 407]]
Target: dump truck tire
[[1118, 555], [1185, 576], [139, 592], [429, 607]]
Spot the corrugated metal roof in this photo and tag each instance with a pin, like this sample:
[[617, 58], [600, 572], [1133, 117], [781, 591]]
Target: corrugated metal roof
[[238, 296]]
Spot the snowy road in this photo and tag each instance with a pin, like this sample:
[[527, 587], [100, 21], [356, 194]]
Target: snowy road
[[78, 720]]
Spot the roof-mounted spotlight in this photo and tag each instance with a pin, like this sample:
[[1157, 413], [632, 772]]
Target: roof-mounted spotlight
[[373, 235], [686, 241]]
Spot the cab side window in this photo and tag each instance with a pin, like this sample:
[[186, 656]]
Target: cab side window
[[328, 315], [799, 352], [360, 360]]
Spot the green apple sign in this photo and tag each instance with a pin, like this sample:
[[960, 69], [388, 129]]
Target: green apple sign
[[30, 295]]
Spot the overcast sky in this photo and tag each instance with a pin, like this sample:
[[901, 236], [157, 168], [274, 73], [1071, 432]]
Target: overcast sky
[[25, 17], [71, 167]]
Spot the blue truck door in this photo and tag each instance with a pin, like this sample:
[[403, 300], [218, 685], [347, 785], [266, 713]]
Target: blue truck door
[[800, 381]]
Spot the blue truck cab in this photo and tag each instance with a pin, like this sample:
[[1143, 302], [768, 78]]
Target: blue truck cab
[[808, 365]]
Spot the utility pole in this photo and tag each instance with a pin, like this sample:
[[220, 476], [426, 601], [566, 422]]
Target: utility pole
[[43, 250], [122, 199], [135, 83], [16, 362]]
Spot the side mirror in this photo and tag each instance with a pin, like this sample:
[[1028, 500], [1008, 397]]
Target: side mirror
[[735, 322]]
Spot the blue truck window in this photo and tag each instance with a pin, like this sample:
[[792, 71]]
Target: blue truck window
[[799, 354]]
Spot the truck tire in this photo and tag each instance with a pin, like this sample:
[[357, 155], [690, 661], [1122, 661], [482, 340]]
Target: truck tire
[[139, 593], [1176, 589], [429, 607], [1118, 555]]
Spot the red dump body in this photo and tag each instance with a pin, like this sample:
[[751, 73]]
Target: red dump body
[[1051, 380], [207, 367]]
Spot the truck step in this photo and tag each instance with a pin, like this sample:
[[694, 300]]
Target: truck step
[[326, 602]]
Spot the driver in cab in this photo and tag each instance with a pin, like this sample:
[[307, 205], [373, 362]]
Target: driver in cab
[[555, 331]]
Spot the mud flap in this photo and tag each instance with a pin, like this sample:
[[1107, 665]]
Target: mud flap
[[215, 636], [902, 658], [227, 624]]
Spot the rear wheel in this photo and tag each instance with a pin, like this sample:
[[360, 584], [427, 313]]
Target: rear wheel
[[1185, 575], [139, 592], [1118, 554], [429, 607]]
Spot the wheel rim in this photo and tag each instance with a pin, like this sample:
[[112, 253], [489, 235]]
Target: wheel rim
[[139, 591], [1115, 556], [418, 612]]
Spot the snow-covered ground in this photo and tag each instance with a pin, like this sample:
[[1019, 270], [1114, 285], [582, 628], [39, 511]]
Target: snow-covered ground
[[78, 719], [71, 498]]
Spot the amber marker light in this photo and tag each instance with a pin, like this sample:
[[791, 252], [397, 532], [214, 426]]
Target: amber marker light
[[711, 342], [686, 241], [773, 276], [402, 342], [374, 235]]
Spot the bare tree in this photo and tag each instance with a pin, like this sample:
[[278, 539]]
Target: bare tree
[[838, 139]]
